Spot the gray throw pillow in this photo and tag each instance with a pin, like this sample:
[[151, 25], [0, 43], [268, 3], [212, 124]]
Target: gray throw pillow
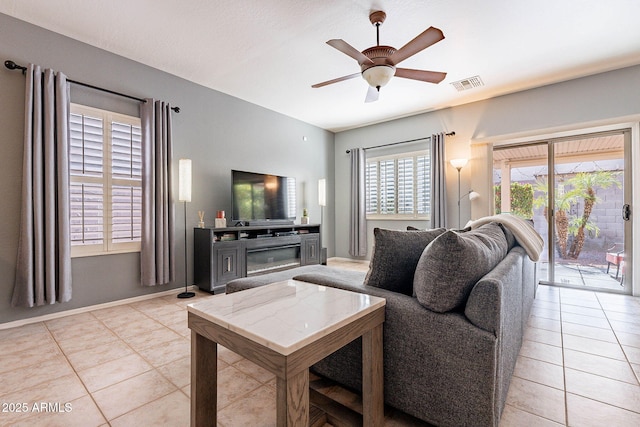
[[452, 264], [395, 256]]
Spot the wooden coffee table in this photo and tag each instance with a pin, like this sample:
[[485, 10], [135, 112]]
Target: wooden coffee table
[[285, 327]]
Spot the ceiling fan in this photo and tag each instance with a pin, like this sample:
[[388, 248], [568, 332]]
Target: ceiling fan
[[378, 63]]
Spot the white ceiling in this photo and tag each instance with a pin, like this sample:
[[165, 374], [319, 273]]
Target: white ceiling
[[270, 52]]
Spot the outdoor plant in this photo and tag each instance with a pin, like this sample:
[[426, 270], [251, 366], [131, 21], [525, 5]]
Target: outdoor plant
[[521, 199], [563, 202], [583, 187], [585, 184]]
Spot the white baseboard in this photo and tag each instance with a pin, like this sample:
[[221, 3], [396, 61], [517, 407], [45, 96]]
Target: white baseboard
[[51, 316]]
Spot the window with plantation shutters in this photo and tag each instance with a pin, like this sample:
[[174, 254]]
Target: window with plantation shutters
[[398, 186], [105, 182]]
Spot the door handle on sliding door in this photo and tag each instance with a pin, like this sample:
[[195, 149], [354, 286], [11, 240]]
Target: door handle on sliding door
[[626, 212]]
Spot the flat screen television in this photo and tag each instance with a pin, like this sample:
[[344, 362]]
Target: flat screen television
[[258, 197]]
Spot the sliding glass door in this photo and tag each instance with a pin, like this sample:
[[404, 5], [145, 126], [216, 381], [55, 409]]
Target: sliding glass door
[[581, 209]]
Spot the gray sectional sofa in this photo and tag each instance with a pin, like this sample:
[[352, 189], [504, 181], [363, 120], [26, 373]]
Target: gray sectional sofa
[[457, 306]]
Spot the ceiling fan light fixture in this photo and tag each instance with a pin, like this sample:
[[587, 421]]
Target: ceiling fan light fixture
[[378, 75]]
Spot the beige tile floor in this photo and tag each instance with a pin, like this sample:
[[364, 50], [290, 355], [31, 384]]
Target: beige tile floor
[[129, 366]]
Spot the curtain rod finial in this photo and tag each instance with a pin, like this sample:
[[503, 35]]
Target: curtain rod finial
[[13, 66]]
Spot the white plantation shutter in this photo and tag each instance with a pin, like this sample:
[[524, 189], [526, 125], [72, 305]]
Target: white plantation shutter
[[86, 184], [86, 156], [423, 185], [126, 191], [398, 186], [87, 218], [386, 187], [106, 173], [405, 186], [126, 158], [126, 221], [371, 190]]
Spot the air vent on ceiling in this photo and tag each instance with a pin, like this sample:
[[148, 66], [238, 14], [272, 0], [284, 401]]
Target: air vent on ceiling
[[468, 83]]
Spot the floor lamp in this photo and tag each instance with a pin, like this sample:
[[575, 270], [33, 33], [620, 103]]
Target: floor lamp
[[322, 197], [184, 195], [458, 164], [322, 201]]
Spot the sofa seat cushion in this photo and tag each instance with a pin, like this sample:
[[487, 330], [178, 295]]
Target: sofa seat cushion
[[395, 256], [276, 276], [450, 266]]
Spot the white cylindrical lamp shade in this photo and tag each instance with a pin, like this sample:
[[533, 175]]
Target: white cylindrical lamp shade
[[322, 192], [184, 175]]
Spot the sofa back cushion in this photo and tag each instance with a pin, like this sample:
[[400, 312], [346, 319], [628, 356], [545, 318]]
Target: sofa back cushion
[[450, 266], [395, 256], [511, 239]]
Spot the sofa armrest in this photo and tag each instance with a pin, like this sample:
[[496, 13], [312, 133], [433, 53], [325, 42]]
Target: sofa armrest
[[489, 296], [482, 307]]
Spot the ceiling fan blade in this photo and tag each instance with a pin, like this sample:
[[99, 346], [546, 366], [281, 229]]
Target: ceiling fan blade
[[372, 94], [347, 49], [339, 79], [422, 75], [428, 37]]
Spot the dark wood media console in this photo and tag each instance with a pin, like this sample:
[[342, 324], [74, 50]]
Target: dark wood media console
[[223, 254]]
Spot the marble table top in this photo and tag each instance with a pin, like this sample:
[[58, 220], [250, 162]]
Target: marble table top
[[286, 316]]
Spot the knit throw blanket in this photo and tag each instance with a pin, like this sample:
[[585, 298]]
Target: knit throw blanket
[[522, 230]]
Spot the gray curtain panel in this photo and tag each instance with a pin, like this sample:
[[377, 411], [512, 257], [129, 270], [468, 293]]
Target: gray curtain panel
[[157, 254], [43, 268], [438, 184], [358, 221]]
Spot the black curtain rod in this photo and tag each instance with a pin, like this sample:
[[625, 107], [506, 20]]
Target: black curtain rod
[[13, 66], [402, 142]]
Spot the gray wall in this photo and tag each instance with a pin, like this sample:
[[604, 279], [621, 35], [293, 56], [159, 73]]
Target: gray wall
[[216, 131], [606, 98]]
